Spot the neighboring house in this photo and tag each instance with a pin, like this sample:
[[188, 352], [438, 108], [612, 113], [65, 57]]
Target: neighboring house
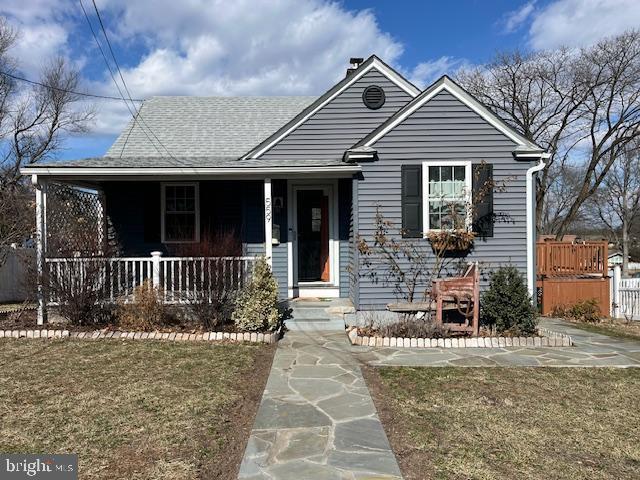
[[616, 258], [307, 174]]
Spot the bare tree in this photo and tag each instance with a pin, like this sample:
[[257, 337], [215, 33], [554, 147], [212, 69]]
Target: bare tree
[[537, 94], [32, 122], [611, 113], [617, 202], [580, 105]]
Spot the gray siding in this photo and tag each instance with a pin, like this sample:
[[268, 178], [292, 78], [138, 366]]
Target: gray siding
[[353, 228], [134, 210], [280, 252], [344, 234], [341, 123], [444, 129]]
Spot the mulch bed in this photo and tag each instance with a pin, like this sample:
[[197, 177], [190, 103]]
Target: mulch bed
[[27, 320]]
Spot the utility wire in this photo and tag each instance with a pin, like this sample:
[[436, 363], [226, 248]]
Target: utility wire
[[113, 77], [115, 60], [51, 87]]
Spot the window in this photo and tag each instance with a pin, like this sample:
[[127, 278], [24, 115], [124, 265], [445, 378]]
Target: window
[[447, 193], [180, 212]]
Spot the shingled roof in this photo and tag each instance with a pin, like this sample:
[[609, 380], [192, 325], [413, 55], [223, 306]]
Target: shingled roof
[[205, 126]]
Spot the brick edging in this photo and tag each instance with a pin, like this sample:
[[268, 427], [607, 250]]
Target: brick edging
[[547, 338], [173, 336]]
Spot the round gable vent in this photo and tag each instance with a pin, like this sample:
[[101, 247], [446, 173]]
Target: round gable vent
[[373, 97]]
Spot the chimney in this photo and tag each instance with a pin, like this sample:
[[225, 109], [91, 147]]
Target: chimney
[[355, 63]]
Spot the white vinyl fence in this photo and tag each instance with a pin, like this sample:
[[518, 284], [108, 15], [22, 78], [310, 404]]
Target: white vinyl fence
[[180, 279], [625, 296]]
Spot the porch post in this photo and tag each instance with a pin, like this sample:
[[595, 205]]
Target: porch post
[[268, 222], [41, 243]]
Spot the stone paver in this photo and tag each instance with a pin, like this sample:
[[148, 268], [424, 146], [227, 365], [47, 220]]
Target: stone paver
[[316, 420], [589, 350]]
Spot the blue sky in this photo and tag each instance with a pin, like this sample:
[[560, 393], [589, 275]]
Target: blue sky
[[250, 47]]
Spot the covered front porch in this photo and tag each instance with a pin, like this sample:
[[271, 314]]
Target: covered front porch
[[183, 232]]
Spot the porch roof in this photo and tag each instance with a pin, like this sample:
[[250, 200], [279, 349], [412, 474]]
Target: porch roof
[[178, 166]]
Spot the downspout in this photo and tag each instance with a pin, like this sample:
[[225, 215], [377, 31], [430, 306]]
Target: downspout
[[531, 225]]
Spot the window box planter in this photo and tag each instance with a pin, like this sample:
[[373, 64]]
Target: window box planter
[[451, 240]]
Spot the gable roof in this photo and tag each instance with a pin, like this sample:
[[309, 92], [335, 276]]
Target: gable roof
[[445, 83], [370, 63], [205, 126]]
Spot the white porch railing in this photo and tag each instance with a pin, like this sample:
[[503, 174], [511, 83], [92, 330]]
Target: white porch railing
[[180, 279], [625, 296]]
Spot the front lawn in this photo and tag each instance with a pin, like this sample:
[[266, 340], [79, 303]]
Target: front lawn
[[613, 328], [141, 410], [506, 423]]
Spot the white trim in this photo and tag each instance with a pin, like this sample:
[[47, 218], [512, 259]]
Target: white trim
[[163, 205], [268, 222], [534, 155], [97, 171], [531, 227], [330, 187], [425, 188], [317, 292], [468, 100], [376, 63]]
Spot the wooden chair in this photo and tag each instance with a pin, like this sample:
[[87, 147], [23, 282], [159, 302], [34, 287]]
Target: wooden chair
[[461, 294]]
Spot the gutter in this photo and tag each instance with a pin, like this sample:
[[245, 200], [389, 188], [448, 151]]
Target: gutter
[[108, 171], [531, 225]]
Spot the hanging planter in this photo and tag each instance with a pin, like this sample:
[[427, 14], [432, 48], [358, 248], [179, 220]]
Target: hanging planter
[[451, 240]]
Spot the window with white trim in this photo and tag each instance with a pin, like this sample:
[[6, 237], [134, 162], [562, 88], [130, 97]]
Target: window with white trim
[[446, 195], [180, 213]]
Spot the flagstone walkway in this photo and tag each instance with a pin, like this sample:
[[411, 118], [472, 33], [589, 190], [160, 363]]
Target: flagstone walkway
[[316, 419], [589, 350]]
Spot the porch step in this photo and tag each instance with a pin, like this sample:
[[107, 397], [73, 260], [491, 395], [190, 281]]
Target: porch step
[[316, 314], [328, 324]]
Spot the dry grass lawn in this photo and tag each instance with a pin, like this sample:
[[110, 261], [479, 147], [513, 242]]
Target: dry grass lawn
[[507, 423], [613, 328], [134, 410]]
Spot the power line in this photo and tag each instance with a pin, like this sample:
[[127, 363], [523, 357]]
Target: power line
[[115, 60], [51, 87], [134, 116]]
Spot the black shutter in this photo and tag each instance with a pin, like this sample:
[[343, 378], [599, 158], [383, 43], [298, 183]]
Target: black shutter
[[412, 201], [482, 198], [152, 212]]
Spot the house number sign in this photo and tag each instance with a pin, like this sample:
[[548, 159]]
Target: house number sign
[[267, 209]]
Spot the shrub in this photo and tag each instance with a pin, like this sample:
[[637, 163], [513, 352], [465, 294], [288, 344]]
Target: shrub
[[78, 288], [506, 305], [583, 311], [409, 326], [211, 308], [145, 313], [257, 303]]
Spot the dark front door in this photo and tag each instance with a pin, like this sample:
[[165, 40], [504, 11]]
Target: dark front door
[[313, 236]]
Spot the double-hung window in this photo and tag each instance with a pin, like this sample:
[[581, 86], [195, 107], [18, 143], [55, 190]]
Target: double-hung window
[[180, 213], [446, 195]]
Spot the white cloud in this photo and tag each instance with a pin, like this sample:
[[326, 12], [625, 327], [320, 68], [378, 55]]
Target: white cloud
[[515, 19], [427, 72], [285, 47], [43, 31], [576, 23]]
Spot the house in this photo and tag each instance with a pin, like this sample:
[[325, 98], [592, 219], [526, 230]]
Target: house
[[299, 179]]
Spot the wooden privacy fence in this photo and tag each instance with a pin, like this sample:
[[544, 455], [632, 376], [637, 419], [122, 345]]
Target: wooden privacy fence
[[559, 259], [180, 279], [572, 272]]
